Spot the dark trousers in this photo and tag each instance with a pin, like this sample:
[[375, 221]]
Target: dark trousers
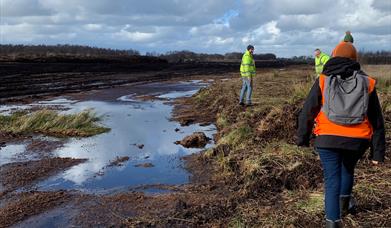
[[338, 171]]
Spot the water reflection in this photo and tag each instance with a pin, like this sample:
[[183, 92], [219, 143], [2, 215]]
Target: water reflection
[[11, 152], [131, 123]]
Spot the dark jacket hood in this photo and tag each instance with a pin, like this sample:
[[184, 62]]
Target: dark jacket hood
[[341, 66]]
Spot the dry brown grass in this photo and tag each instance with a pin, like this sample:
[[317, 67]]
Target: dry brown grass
[[382, 73], [262, 160]]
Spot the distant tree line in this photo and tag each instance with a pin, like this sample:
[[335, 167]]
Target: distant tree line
[[378, 57], [13, 52], [10, 52], [189, 56]]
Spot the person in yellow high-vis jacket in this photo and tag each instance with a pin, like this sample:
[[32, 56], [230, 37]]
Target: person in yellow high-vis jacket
[[247, 72], [320, 60]]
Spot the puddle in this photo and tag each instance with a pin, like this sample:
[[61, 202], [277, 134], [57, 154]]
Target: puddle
[[176, 94], [11, 152], [132, 123]]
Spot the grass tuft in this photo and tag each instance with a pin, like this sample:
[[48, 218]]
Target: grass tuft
[[238, 136], [300, 91], [236, 222], [312, 205], [202, 95], [280, 154], [222, 121], [50, 122]]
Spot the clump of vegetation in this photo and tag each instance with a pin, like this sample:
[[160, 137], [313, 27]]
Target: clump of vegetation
[[201, 95], [238, 136], [49, 122], [222, 121], [279, 166], [384, 83], [300, 91], [236, 222], [282, 153], [313, 204]]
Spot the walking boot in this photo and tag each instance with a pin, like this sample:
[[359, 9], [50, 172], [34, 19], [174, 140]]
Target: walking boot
[[347, 205], [333, 224]]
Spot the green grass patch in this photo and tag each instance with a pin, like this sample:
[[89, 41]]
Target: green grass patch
[[236, 222], [222, 121], [281, 154], [312, 205], [49, 122], [238, 137], [202, 95], [283, 149]]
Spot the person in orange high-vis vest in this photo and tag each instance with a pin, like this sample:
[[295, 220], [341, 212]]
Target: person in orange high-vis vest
[[342, 140]]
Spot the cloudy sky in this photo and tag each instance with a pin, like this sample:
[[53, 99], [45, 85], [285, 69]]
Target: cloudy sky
[[284, 27]]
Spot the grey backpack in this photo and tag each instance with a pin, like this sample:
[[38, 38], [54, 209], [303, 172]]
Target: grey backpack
[[346, 99]]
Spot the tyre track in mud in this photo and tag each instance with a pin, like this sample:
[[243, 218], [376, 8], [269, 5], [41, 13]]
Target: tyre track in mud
[[21, 80]]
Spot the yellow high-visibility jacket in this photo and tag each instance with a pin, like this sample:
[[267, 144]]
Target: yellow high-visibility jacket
[[320, 62], [247, 68]]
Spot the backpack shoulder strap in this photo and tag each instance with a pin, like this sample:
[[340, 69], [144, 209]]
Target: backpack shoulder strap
[[371, 81]]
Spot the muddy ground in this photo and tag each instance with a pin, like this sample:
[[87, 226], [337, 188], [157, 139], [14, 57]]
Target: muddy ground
[[254, 176], [22, 80], [24, 174]]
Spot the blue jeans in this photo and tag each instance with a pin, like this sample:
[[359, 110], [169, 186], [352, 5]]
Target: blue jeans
[[338, 171], [246, 86]]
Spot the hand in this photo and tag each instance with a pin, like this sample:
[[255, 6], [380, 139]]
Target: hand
[[375, 162]]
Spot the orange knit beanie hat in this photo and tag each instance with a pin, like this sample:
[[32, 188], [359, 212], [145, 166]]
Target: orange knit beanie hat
[[345, 49]]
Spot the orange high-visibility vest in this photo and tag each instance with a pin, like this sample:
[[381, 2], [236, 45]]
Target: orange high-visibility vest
[[325, 127]]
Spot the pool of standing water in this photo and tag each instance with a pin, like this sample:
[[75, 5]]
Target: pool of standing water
[[133, 123]]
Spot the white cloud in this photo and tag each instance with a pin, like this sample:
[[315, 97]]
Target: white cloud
[[284, 27], [265, 34], [134, 36], [93, 27]]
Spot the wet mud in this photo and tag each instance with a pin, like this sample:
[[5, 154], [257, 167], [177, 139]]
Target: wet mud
[[24, 174], [27, 204], [196, 140]]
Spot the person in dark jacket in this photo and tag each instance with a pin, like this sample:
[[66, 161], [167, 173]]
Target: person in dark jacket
[[340, 146]]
